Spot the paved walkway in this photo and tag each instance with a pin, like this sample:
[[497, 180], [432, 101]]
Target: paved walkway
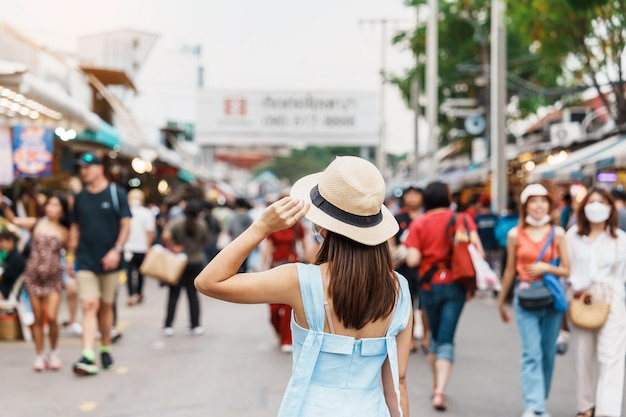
[[236, 369]]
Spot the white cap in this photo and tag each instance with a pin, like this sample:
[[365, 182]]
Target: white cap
[[533, 190]]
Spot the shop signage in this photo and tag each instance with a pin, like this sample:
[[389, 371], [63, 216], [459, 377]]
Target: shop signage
[[32, 151], [286, 118], [6, 156]]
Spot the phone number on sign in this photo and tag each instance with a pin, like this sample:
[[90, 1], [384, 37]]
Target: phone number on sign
[[309, 121]]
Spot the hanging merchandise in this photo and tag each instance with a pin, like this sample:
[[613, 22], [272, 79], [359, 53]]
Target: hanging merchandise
[[6, 157], [32, 151]]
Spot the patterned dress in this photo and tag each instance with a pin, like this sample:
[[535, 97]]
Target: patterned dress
[[44, 274]]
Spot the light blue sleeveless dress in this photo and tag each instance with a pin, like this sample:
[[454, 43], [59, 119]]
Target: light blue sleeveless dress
[[336, 375]]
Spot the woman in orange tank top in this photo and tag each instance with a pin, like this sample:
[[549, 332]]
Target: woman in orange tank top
[[538, 329]]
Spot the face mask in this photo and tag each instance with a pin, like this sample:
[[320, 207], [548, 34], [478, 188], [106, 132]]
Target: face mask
[[597, 212], [135, 203], [538, 223], [316, 234]]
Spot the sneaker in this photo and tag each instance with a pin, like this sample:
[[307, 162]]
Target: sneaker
[[75, 329], [116, 335], [39, 365], [531, 413], [562, 342], [168, 331], [286, 348], [106, 360], [54, 363], [85, 367], [197, 331]]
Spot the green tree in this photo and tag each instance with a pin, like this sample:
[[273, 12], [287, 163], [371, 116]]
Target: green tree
[[555, 49], [305, 161], [586, 38]]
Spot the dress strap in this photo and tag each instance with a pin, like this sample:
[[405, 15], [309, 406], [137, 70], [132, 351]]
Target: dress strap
[[312, 290], [329, 317]]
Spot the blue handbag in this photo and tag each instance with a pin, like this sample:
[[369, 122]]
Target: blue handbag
[[554, 283], [556, 288]]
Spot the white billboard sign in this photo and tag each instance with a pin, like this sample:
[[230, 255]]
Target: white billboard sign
[[287, 118]]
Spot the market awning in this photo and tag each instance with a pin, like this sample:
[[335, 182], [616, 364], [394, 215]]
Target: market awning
[[614, 157], [463, 177], [15, 79], [109, 76], [571, 168], [106, 135], [133, 141]]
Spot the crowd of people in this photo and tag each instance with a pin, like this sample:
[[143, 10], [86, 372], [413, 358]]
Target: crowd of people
[[338, 265]]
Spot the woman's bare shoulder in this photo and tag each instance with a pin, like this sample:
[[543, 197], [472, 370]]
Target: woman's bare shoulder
[[559, 231], [513, 233]]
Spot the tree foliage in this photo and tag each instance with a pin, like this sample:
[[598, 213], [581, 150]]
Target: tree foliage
[[305, 161], [586, 37], [555, 49]]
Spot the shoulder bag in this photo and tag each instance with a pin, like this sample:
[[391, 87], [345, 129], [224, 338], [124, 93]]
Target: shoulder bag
[[586, 311], [163, 265], [538, 296], [461, 266]]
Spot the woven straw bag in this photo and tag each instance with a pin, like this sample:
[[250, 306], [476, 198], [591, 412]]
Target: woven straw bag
[[587, 311]]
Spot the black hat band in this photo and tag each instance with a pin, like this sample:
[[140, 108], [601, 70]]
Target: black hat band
[[335, 212]]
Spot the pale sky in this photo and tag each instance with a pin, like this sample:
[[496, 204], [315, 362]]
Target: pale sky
[[247, 44]]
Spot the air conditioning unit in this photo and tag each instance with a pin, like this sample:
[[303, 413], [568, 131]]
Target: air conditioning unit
[[564, 134]]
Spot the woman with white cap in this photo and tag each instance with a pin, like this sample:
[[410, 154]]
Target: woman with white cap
[[530, 248], [597, 248], [352, 316]]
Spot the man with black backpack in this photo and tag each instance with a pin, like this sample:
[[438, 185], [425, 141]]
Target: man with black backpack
[[99, 229]]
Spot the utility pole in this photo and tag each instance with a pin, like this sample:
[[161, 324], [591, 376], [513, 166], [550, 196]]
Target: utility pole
[[432, 85], [381, 150], [499, 180], [415, 105]]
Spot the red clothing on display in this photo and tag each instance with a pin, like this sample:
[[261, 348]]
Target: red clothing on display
[[284, 243], [284, 250], [427, 234]]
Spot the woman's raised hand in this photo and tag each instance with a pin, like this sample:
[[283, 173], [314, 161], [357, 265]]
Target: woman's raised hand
[[282, 214]]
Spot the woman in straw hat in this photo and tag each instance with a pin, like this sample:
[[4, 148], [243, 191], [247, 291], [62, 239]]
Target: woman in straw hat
[[352, 314]]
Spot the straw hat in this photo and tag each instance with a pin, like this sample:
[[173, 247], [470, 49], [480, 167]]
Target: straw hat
[[348, 198]]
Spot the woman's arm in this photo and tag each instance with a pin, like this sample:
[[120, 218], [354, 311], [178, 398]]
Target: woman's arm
[[403, 341], [563, 269], [23, 222], [413, 257], [220, 279], [167, 238], [475, 239], [509, 273]]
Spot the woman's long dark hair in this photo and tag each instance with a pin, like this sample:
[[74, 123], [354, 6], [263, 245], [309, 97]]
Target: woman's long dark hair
[[363, 286], [64, 220], [192, 211], [584, 226]]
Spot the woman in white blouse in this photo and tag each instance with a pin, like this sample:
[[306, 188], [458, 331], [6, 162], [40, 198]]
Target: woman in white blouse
[[597, 249]]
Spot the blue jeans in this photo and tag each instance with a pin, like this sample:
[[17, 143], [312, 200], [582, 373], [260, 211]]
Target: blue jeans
[[538, 331], [443, 305]]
